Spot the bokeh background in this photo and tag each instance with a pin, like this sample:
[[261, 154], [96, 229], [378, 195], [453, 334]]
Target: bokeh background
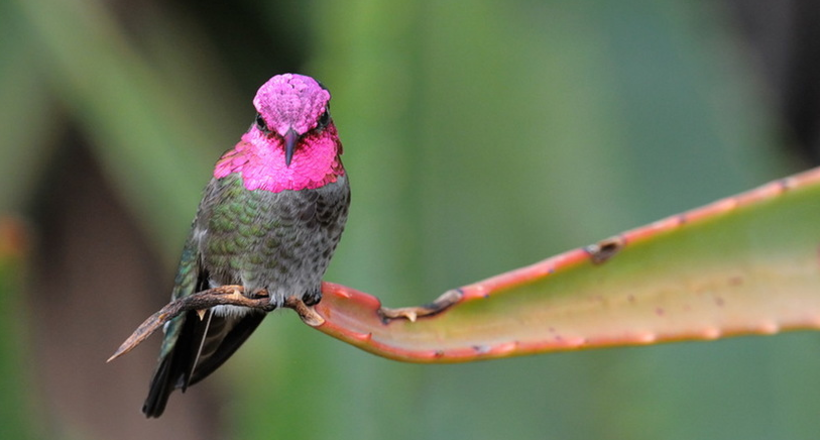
[[479, 136]]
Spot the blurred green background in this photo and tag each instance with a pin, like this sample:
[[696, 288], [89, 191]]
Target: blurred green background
[[479, 137]]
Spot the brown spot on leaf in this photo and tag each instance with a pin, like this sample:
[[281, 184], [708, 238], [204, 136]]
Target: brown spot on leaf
[[481, 349], [602, 251]]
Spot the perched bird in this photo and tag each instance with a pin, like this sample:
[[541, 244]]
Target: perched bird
[[270, 218]]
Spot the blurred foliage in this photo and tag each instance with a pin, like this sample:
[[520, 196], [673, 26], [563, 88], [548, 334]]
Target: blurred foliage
[[16, 404], [478, 138]]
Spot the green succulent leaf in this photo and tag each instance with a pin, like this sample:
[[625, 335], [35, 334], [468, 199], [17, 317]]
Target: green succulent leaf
[[742, 265]]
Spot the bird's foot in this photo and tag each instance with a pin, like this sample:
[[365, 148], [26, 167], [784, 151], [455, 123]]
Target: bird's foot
[[259, 294], [312, 297]]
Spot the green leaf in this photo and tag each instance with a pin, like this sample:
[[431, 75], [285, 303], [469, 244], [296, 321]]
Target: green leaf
[[749, 264]]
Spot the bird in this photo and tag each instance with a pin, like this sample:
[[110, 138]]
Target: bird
[[269, 219]]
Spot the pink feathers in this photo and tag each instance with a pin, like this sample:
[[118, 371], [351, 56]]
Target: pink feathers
[[287, 102], [291, 101], [261, 162]]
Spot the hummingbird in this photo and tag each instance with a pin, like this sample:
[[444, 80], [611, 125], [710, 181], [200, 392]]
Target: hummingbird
[[270, 218]]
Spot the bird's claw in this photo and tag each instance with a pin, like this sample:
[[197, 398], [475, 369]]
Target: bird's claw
[[312, 297]]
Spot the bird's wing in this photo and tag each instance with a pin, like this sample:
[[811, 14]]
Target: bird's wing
[[194, 346]]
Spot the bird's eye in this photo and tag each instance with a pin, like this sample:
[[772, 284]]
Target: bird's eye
[[323, 120], [260, 123]]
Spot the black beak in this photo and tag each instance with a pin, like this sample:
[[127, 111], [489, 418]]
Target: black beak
[[291, 139]]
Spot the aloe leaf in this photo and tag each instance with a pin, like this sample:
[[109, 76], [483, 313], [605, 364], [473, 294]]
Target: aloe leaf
[[742, 265]]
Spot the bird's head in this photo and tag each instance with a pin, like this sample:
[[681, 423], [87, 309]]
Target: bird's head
[[291, 107], [292, 143]]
